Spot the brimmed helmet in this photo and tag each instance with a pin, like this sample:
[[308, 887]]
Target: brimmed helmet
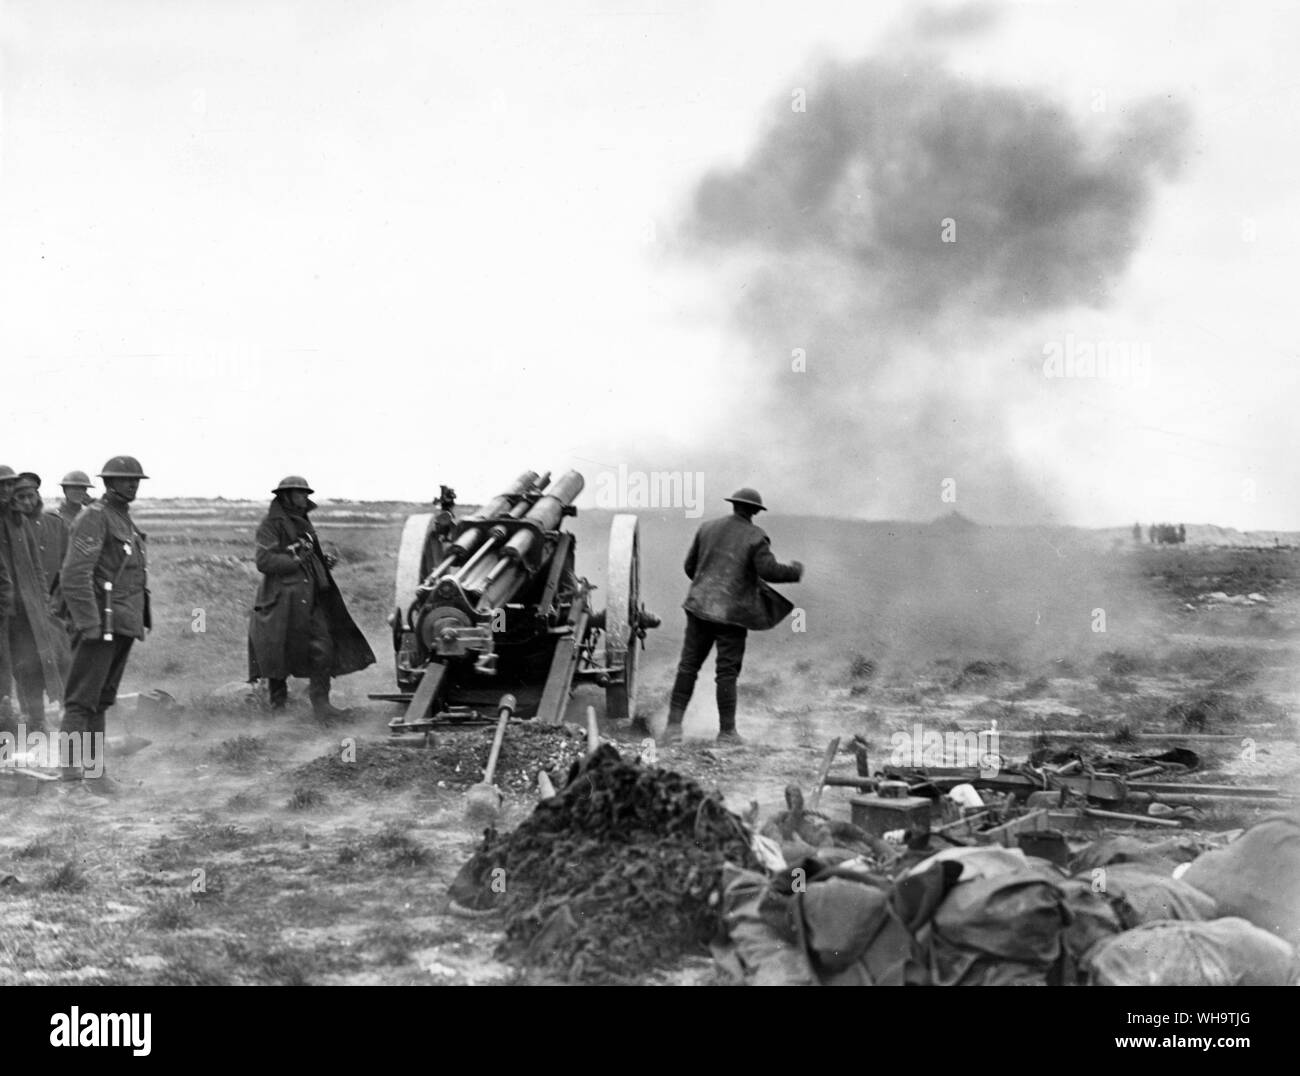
[[293, 481], [77, 478], [122, 467], [748, 496]]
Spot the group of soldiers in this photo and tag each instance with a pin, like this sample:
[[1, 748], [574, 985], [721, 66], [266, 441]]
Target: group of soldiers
[[35, 650], [72, 602], [1163, 533], [74, 599]]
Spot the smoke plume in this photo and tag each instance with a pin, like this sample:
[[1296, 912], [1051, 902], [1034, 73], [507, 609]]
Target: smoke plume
[[897, 233]]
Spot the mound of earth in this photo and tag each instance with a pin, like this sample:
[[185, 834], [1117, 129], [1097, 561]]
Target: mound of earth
[[618, 874]]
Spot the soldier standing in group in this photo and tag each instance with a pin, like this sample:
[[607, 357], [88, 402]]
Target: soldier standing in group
[[75, 495], [7, 721], [38, 644], [50, 527], [728, 564], [299, 625], [104, 581]]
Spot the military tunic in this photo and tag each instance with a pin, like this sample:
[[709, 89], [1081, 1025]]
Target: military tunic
[[105, 546]]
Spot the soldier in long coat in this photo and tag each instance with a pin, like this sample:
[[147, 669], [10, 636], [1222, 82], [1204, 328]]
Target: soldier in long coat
[[50, 527], [299, 625], [7, 721], [37, 643], [729, 565], [52, 532]]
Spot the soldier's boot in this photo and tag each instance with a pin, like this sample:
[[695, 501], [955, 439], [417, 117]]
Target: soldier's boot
[[320, 700], [32, 702], [673, 730], [103, 785], [75, 794], [95, 760], [73, 791], [726, 695], [279, 694]]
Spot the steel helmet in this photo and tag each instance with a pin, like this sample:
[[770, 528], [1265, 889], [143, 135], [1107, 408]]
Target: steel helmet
[[293, 481], [77, 478], [7, 473], [122, 467], [748, 496]]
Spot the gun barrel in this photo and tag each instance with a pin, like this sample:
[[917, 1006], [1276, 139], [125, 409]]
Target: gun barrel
[[491, 558], [500, 505], [501, 583]]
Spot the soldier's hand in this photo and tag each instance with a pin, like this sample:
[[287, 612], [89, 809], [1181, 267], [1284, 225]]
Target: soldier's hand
[[797, 565]]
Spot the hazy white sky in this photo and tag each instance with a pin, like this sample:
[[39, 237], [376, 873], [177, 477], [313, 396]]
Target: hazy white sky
[[396, 244]]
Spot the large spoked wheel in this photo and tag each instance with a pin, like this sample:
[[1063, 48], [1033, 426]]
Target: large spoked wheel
[[409, 552], [623, 618]]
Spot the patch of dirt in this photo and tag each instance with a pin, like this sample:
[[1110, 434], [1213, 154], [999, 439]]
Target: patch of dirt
[[456, 761]]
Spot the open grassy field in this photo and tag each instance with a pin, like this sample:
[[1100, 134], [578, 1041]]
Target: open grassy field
[[245, 851]]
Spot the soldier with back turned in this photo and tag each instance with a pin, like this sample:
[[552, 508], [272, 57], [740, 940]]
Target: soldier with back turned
[[730, 563]]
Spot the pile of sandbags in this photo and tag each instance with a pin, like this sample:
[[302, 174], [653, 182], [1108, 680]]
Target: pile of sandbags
[[1249, 892], [1220, 952], [1257, 876], [970, 917], [992, 915]]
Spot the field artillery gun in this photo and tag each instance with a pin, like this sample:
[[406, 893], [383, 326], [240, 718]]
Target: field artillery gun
[[503, 610]]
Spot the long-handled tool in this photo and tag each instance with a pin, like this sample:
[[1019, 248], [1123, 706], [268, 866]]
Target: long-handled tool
[[483, 801], [593, 732], [827, 759]]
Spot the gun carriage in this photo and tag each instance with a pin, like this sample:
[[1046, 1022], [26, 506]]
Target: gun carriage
[[502, 610]]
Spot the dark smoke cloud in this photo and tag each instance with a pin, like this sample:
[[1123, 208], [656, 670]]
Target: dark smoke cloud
[[837, 219]]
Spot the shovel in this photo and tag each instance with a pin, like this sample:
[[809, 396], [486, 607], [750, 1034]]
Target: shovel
[[483, 801]]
